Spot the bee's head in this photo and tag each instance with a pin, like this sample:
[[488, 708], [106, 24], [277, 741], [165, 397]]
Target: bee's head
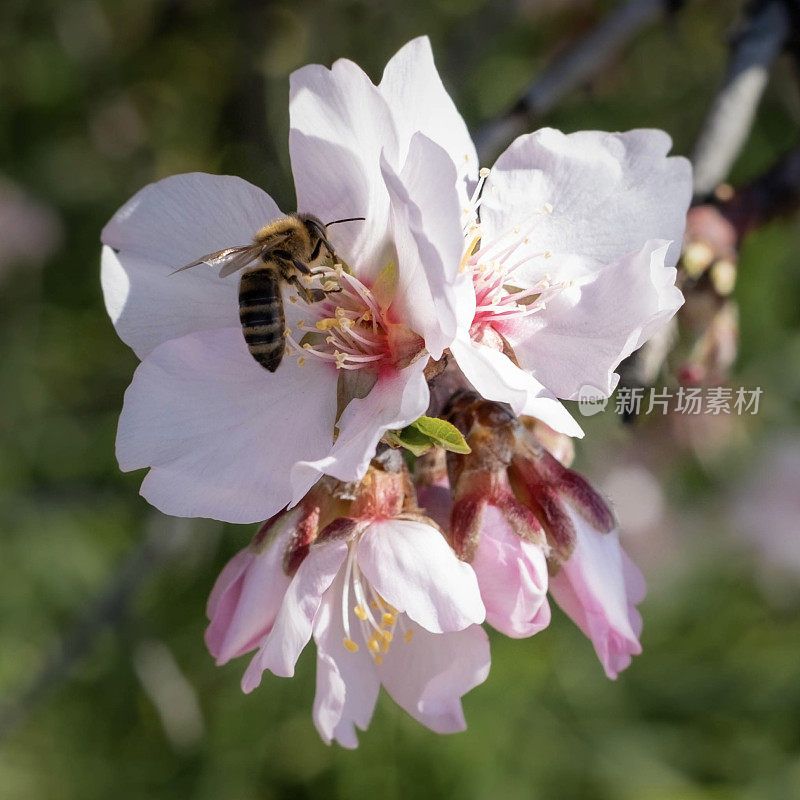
[[318, 231]]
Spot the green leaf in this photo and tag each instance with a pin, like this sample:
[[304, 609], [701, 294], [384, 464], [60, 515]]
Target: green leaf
[[411, 439], [441, 432]]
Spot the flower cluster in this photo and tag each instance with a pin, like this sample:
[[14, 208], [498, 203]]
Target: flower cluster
[[483, 296]]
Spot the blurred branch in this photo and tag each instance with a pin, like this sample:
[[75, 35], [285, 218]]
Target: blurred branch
[[714, 229], [577, 66], [773, 194], [165, 539], [758, 41]]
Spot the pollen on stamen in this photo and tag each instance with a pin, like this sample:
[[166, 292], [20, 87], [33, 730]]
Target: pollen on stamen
[[301, 362], [287, 332], [301, 323], [350, 645], [373, 645], [484, 172], [360, 612], [388, 619]]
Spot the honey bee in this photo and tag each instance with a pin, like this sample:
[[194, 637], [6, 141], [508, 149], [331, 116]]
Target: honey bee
[[285, 251]]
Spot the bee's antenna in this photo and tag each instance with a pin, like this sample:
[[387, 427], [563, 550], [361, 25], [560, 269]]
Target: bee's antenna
[[349, 219]]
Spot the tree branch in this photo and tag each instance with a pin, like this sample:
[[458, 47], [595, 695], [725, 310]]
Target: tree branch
[[577, 66], [760, 38]]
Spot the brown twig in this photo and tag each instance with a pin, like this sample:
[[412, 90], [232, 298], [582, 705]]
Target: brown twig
[[759, 39], [574, 68]]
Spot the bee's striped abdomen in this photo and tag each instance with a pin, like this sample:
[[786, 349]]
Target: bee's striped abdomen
[[261, 315]]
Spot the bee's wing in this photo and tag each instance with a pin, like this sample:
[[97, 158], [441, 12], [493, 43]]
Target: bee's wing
[[229, 260], [232, 259]]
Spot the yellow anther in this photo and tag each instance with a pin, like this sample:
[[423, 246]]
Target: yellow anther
[[292, 298], [373, 604], [387, 636], [367, 316], [360, 613], [385, 646], [378, 660], [307, 346], [373, 645], [548, 254], [287, 332], [308, 279], [350, 645], [327, 323], [409, 635], [484, 173], [301, 323], [330, 339], [301, 362], [340, 358], [329, 286], [346, 323], [388, 619]]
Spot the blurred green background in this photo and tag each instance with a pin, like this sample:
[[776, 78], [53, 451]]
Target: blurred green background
[[106, 688]]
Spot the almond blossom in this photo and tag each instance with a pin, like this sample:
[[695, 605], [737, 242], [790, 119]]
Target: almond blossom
[[224, 438], [383, 595]]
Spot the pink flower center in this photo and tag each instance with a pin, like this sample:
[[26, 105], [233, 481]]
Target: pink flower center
[[348, 328], [500, 296]]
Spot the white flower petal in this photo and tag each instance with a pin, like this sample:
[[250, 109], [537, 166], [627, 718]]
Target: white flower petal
[[161, 228], [495, 377], [397, 399], [419, 102], [347, 682], [220, 432], [293, 626], [340, 124], [600, 195], [412, 566], [425, 219], [430, 673], [587, 329]]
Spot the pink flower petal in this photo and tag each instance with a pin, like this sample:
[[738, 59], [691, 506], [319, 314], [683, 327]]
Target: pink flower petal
[[430, 673], [412, 566], [162, 227], [512, 575], [292, 629], [243, 608], [598, 588], [219, 432]]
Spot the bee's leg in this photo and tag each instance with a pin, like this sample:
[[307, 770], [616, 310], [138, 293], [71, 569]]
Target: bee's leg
[[309, 295]]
